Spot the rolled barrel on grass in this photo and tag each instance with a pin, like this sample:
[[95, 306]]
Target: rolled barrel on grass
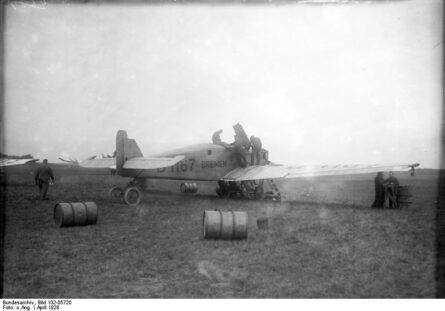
[[225, 225], [404, 196], [188, 187], [75, 214]]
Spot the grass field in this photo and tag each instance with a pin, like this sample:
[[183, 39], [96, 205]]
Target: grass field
[[323, 241]]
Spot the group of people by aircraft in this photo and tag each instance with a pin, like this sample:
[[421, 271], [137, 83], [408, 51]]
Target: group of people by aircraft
[[241, 149], [390, 184], [44, 176]]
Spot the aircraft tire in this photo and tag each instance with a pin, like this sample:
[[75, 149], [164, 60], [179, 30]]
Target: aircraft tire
[[132, 196], [116, 194], [259, 193], [221, 192]]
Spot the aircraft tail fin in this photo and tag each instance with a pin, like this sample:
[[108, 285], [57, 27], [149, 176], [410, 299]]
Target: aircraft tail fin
[[126, 148]]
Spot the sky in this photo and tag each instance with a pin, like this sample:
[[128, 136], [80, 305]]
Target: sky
[[319, 84]]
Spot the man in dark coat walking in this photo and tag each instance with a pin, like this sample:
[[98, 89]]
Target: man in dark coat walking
[[379, 184], [42, 177]]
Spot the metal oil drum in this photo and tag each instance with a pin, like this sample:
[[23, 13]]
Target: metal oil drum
[[225, 225], [75, 214], [404, 196]]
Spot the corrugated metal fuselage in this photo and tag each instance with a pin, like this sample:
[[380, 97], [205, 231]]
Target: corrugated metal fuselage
[[201, 162]]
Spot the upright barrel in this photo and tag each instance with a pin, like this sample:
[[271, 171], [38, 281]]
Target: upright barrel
[[225, 225], [404, 196], [75, 214], [262, 223], [188, 187]]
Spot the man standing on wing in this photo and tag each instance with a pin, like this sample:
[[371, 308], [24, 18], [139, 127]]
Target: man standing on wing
[[216, 139], [256, 145]]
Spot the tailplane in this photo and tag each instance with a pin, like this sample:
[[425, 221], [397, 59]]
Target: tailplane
[[126, 148]]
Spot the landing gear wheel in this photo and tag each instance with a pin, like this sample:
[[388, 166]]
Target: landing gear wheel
[[259, 193], [116, 194], [221, 192], [245, 193], [132, 196]]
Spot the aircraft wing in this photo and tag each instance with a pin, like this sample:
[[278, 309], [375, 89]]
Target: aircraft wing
[[258, 172], [10, 162], [140, 163], [69, 160]]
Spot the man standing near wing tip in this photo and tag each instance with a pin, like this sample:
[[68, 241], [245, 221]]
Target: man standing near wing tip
[[393, 185], [43, 176], [379, 185]]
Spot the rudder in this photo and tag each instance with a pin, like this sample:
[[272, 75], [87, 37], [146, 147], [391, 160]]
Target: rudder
[[126, 148]]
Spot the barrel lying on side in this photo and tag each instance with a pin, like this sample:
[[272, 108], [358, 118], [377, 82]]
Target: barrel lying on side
[[225, 225], [188, 187], [75, 214]]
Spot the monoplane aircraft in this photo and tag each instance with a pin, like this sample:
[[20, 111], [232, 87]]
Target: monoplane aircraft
[[69, 160], [214, 162], [11, 162]]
